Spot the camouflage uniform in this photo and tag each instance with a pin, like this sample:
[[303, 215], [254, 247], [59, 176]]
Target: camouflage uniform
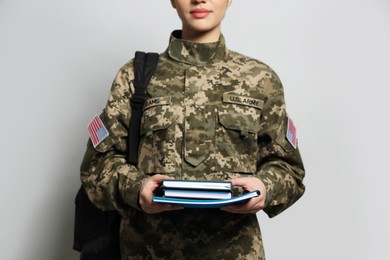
[[210, 114]]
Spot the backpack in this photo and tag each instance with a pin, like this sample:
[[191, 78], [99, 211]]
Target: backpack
[[96, 232]]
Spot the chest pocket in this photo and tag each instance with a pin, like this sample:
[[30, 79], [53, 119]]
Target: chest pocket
[[236, 137], [157, 136]]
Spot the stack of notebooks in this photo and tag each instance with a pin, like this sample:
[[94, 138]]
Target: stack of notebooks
[[199, 194]]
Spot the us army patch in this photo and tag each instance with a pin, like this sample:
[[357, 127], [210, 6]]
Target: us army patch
[[243, 100], [291, 133]]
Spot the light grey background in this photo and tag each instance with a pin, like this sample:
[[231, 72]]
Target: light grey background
[[58, 59]]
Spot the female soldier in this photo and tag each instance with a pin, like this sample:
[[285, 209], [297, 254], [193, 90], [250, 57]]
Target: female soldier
[[210, 114]]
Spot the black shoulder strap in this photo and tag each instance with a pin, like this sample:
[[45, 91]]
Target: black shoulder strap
[[144, 66]]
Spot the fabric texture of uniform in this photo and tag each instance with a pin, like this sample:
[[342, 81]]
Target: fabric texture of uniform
[[210, 114]]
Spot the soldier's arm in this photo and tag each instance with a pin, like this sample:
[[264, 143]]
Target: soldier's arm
[[110, 182], [280, 166]]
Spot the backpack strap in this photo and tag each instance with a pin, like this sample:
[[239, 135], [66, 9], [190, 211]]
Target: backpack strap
[[144, 66]]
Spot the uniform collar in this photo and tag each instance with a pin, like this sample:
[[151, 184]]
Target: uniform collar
[[198, 54]]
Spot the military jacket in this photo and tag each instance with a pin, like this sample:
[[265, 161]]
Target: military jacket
[[210, 114]]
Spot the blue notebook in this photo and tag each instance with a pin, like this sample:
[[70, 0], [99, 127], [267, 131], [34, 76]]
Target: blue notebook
[[199, 203]]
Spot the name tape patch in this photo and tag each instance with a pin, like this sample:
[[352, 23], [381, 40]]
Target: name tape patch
[[243, 100], [159, 101]]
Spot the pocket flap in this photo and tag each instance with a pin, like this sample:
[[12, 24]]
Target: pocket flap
[[157, 114], [240, 114]]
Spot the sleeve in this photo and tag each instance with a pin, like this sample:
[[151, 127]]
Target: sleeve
[[110, 182], [280, 166]]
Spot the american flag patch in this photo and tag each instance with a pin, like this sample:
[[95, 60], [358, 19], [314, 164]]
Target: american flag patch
[[291, 134], [97, 131]]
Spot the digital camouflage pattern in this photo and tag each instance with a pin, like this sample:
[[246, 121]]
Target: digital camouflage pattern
[[211, 114]]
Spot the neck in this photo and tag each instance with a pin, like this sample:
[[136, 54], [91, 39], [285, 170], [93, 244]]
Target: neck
[[201, 37]]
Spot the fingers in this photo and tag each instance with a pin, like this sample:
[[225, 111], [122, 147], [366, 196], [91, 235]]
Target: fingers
[[239, 181], [252, 206], [146, 196], [248, 183]]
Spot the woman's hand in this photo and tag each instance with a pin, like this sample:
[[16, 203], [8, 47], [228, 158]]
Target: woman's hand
[[253, 205], [146, 196]]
